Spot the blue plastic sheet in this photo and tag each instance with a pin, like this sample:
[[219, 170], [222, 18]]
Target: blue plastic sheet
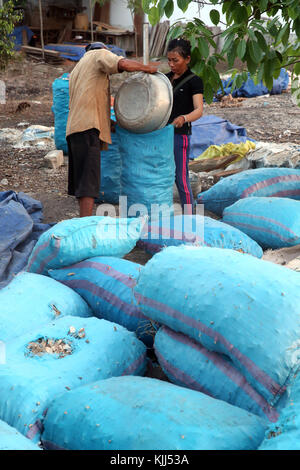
[[75, 52], [21, 226], [250, 90], [17, 36], [213, 130]]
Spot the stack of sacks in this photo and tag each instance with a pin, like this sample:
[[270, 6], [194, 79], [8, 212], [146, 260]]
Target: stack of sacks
[[139, 413], [11, 439], [74, 240], [273, 222], [106, 284], [284, 435], [31, 300], [233, 324], [195, 230], [260, 182], [59, 357]]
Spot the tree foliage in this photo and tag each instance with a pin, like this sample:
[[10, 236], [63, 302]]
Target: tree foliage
[[8, 19], [263, 34]]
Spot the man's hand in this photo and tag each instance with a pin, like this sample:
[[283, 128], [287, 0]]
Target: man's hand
[[128, 65]]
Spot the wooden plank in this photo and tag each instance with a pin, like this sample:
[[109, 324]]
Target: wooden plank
[[37, 51]]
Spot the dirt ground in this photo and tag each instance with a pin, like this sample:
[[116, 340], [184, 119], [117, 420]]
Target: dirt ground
[[265, 118]]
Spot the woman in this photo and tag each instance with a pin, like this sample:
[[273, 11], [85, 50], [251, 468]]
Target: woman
[[187, 107]]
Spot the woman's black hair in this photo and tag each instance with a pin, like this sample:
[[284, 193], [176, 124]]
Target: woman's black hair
[[182, 46]]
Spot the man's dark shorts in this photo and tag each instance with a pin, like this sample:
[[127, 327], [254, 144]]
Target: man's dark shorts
[[84, 164]]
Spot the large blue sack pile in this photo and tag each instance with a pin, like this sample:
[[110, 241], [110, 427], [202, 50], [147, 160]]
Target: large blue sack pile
[[213, 130], [260, 182], [273, 222], [106, 283], [74, 240], [195, 230], [139, 413], [148, 170], [284, 435], [21, 225], [59, 357], [31, 300], [233, 304]]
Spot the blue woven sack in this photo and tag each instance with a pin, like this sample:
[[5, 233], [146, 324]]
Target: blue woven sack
[[233, 304], [188, 364], [275, 182], [195, 230], [107, 283], [60, 108], [11, 439], [110, 182], [31, 300], [148, 169], [90, 349], [284, 435], [74, 240], [273, 222], [139, 413]]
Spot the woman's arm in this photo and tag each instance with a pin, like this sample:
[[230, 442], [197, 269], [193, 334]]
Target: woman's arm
[[194, 115]]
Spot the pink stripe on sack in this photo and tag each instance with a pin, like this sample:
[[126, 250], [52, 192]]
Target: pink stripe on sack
[[185, 146], [269, 182], [288, 193], [171, 233], [264, 219], [37, 252], [184, 378], [97, 291], [231, 372], [105, 269], [261, 229], [252, 368], [135, 365]]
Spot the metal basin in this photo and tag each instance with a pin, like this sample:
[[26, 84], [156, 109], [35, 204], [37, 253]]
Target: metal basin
[[144, 102]]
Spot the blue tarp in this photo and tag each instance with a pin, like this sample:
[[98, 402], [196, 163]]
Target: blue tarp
[[17, 36], [213, 130], [21, 225], [75, 52], [249, 89]]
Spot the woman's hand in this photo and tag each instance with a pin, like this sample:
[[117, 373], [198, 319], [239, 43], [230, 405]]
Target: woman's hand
[[179, 121]]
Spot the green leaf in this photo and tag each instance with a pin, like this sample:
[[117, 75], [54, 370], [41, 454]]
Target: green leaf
[[255, 51], [146, 5], [263, 4], [214, 16], [228, 43], [203, 47], [175, 32], [268, 74], [297, 68], [241, 49], [153, 15], [183, 4], [240, 14], [261, 41], [208, 92], [169, 8]]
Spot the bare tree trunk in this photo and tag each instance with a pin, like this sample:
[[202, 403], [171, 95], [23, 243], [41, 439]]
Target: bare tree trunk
[[42, 29]]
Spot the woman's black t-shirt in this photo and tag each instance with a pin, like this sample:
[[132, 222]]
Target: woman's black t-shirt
[[183, 98]]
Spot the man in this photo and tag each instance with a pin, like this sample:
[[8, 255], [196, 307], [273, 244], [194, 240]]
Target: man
[[88, 126]]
